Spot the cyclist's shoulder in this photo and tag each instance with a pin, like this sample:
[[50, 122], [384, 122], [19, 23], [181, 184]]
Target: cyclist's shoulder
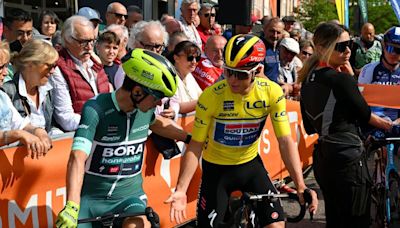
[[367, 72]]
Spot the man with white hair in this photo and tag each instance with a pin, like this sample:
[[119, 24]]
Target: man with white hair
[[189, 9], [78, 77], [287, 76], [116, 14]]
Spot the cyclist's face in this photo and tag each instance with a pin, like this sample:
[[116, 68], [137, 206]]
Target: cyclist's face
[[240, 82], [148, 103], [391, 53]]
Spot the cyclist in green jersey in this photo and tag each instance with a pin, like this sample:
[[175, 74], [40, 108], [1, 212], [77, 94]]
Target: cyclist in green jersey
[[104, 168]]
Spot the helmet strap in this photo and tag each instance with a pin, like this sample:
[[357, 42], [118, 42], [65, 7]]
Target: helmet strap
[[136, 101], [390, 64]]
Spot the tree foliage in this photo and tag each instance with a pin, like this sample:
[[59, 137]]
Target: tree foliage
[[312, 12]]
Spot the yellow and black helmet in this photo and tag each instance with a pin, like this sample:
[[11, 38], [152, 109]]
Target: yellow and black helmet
[[151, 70], [244, 50]]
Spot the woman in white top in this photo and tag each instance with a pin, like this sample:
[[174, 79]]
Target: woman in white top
[[186, 57], [29, 89]]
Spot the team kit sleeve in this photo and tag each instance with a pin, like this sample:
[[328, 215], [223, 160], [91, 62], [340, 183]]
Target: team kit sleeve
[[204, 110], [85, 133], [278, 113]]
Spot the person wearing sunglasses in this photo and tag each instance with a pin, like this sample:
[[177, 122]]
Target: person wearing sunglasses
[[288, 49], [116, 14], [111, 138], [333, 107], [366, 48], [306, 51], [186, 57], [386, 71], [30, 89], [230, 117], [207, 16]]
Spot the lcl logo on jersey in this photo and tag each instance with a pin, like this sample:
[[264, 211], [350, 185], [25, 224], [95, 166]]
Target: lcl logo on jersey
[[256, 104]]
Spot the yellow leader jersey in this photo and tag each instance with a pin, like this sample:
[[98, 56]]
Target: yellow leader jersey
[[230, 124]]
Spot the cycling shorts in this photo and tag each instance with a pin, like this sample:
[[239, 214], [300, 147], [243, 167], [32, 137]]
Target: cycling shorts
[[92, 207], [219, 181]]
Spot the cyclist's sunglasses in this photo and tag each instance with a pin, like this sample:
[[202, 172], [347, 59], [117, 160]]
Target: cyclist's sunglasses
[[392, 49], [341, 46], [238, 73]]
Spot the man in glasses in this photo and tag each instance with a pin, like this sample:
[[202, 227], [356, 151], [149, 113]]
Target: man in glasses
[[386, 71], [189, 9], [78, 77], [230, 117], [207, 16], [116, 14], [366, 49], [149, 35], [18, 28]]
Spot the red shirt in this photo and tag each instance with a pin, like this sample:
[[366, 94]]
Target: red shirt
[[205, 34], [206, 73]]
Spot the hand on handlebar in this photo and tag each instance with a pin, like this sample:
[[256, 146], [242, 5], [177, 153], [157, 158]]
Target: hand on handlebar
[[309, 196], [178, 201], [68, 217]]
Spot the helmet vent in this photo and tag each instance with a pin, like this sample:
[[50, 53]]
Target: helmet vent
[[166, 82]]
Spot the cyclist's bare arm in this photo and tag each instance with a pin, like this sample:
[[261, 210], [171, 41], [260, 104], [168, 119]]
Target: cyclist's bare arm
[[379, 122], [291, 158], [188, 166], [75, 172], [168, 128]]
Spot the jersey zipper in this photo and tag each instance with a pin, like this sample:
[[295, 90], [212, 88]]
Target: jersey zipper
[[128, 128]]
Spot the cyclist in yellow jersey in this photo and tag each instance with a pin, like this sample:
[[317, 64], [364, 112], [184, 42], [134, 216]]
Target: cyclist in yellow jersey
[[230, 116]]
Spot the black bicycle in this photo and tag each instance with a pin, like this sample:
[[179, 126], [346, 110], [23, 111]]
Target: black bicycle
[[386, 180], [242, 211], [108, 220]]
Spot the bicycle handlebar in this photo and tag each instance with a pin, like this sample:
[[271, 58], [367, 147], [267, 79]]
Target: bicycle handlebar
[[248, 197], [108, 219]]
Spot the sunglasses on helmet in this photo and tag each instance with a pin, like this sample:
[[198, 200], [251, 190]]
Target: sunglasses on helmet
[[239, 73], [341, 46], [392, 49]]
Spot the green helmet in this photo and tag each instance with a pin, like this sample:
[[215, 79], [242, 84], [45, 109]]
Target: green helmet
[[151, 70]]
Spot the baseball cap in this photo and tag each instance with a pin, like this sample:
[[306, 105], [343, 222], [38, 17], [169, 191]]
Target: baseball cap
[[288, 19], [291, 45], [89, 13]]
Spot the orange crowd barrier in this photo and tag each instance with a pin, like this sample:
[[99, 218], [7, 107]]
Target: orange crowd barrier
[[381, 95], [33, 191]]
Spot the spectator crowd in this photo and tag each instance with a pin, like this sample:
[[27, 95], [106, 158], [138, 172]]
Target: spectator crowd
[[49, 72]]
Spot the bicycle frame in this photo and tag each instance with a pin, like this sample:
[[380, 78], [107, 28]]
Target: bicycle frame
[[391, 169]]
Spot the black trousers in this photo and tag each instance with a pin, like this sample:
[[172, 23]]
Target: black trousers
[[345, 183]]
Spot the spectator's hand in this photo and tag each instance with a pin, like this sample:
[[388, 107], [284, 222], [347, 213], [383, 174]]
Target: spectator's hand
[[396, 122], [296, 90], [34, 145], [178, 201], [168, 113], [287, 89], [68, 217], [346, 68], [44, 137]]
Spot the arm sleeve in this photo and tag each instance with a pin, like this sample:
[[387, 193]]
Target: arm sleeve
[[204, 114], [63, 112], [279, 117], [119, 78], [85, 133], [347, 90], [366, 73], [306, 121]]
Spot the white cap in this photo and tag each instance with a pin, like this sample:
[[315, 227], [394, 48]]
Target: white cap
[[291, 45]]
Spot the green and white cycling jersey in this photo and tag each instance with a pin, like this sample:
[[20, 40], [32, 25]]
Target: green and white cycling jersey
[[114, 142]]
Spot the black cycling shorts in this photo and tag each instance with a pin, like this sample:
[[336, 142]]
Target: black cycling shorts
[[219, 181]]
